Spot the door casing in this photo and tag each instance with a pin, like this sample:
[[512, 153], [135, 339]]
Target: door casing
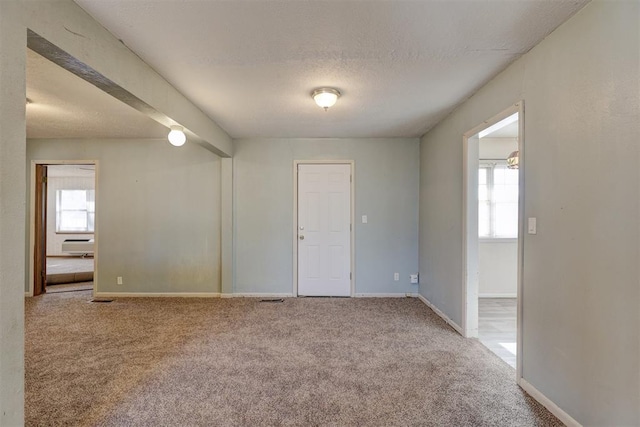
[[32, 218], [351, 163], [469, 202], [40, 231]]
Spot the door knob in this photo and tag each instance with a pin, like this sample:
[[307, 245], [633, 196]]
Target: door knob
[[301, 237]]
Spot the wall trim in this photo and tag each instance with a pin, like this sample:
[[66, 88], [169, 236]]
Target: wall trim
[[547, 403], [156, 294], [444, 317], [498, 295], [387, 295], [260, 295]]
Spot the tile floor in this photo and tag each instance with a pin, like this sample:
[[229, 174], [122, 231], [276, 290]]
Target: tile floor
[[497, 326]]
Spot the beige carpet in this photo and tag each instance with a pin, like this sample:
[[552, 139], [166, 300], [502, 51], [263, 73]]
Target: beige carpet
[[240, 362]]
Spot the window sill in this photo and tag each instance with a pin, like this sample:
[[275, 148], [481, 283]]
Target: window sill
[[75, 232], [498, 240]]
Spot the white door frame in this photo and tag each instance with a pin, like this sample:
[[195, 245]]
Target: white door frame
[[351, 164], [32, 217], [470, 227]]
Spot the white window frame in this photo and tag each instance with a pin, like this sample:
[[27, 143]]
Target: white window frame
[[490, 165], [87, 212]]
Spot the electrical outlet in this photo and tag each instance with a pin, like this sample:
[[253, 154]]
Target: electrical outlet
[[396, 276], [414, 278], [119, 280]]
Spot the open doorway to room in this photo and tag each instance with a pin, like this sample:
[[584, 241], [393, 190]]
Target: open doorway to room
[[70, 227], [493, 236], [63, 226]]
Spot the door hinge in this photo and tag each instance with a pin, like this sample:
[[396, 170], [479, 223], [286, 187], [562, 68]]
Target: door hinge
[[44, 179], [350, 178], [350, 227], [350, 276]]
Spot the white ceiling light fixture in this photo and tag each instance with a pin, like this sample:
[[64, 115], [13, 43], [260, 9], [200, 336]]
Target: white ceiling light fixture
[[176, 136], [325, 97]]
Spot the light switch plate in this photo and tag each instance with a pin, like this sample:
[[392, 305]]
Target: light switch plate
[[532, 226], [364, 219]]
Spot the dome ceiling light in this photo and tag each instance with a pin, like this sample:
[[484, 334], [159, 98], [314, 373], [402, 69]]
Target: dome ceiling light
[[325, 97], [176, 136]]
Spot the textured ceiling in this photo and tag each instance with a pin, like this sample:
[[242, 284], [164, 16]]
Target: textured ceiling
[[65, 106], [401, 65]]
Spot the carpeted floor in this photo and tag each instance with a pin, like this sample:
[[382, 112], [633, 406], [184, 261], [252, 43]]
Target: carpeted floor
[[241, 362]]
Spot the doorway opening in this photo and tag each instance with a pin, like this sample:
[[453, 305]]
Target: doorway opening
[[323, 232], [493, 237], [63, 227]]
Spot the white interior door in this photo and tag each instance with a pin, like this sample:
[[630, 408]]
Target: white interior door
[[324, 230]]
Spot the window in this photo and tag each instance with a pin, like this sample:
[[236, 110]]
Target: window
[[75, 211], [497, 201]]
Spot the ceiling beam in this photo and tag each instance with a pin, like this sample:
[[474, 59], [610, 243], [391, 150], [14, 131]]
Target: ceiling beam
[[65, 34]]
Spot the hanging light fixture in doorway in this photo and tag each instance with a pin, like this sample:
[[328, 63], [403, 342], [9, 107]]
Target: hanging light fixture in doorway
[[513, 160]]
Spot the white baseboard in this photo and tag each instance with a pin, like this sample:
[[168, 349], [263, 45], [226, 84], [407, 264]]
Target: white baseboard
[[547, 403], [260, 295], [446, 318], [28, 294], [226, 295], [498, 295], [157, 294], [389, 295]]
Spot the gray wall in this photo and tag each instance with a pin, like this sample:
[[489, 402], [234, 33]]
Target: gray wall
[[581, 279], [157, 212], [386, 189], [13, 37]]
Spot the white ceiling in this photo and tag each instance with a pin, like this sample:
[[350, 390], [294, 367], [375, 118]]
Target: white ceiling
[[251, 66], [65, 106], [401, 65]]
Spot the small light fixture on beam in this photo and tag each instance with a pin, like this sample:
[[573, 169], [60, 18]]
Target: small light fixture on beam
[[176, 136], [325, 97]]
